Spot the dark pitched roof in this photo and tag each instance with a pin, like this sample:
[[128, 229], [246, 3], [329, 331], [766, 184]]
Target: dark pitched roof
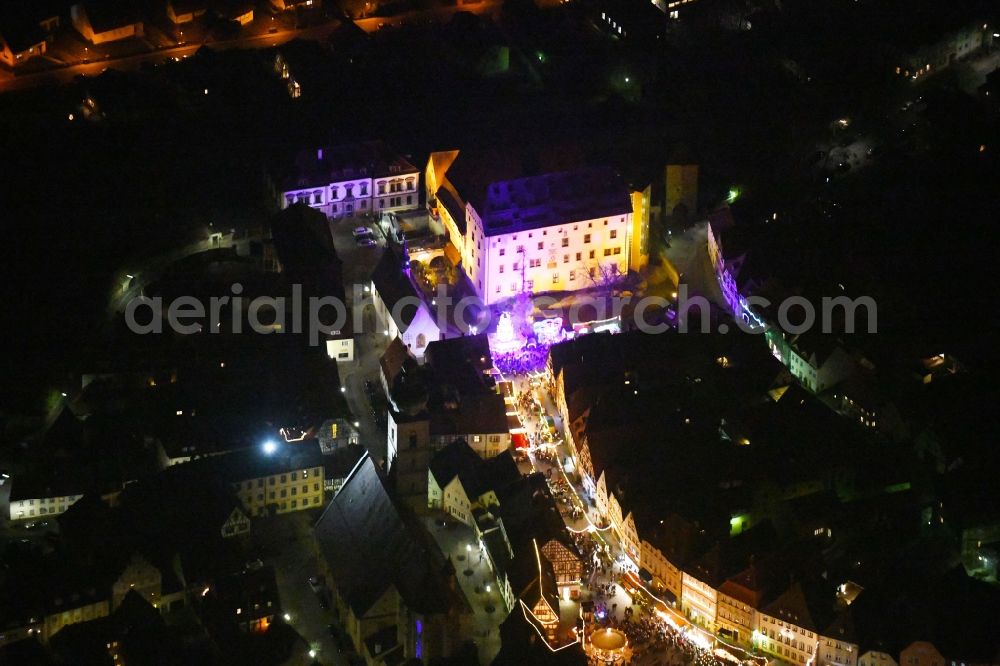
[[553, 198], [305, 249], [453, 460], [22, 37], [392, 361], [253, 463], [528, 511], [461, 362], [392, 284], [522, 643], [340, 463], [331, 164], [474, 414], [478, 476], [473, 171], [369, 548], [532, 578], [108, 15]]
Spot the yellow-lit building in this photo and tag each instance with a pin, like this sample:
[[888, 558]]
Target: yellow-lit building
[[557, 231], [288, 477]]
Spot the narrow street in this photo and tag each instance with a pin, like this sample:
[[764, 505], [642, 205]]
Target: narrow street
[[673, 640]]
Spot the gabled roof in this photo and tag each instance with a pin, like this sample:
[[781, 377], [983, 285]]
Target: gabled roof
[[393, 285], [453, 460], [104, 16], [340, 463], [370, 548], [393, 359], [532, 578], [522, 642], [474, 414], [477, 476], [333, 164]]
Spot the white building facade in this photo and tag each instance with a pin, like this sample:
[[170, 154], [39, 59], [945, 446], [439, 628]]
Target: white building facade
[[353, 179], [563, 231]]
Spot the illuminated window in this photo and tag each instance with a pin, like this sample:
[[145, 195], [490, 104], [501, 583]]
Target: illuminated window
[[614, 233]]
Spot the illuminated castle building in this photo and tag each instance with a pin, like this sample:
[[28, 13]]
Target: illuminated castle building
[[562, 230]]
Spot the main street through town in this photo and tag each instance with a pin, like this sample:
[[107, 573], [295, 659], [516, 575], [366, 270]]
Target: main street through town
[[263, 39], [661, 634]]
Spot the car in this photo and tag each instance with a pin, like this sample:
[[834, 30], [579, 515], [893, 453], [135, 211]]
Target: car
[[367, 242], [361, 231]]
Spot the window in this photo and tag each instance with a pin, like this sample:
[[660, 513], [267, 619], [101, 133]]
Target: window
[[501, 268], [565, 241], [284, 493], [572, 275], [565, 258], [555, 278], [540, 245], [315, 487], [260, 483], [520, 248], [614, 232], [618, 250], [502, 251], [607, 252], [591, 254], [586, 238], [530, 284], [579, 255]]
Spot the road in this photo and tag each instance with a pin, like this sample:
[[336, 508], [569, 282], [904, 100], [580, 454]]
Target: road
[[612, 563], [9, 82], [286, 542]]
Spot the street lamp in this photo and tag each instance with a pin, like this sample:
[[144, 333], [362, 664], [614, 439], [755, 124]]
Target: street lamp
[[288, 618], [270, 447]]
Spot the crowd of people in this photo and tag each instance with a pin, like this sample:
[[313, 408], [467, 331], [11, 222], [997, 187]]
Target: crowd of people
[[528, 359]]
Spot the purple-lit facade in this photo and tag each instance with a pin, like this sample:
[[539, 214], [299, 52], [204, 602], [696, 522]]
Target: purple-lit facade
[[552, 232]]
